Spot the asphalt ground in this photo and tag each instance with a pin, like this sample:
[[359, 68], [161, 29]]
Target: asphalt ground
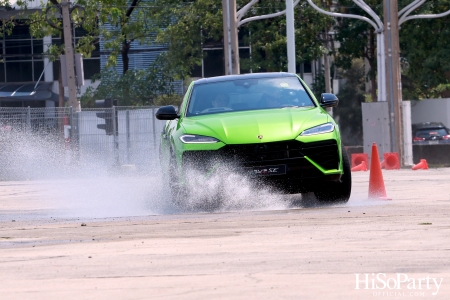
[[57, 242]]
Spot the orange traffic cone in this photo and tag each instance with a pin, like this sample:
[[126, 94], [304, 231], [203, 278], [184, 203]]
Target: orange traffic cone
[[421, 165], [376, 182], [391, 161], [357, 158], [361, 167]]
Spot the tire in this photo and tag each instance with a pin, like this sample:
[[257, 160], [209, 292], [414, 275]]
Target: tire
[[308, 200], [337, 192], [216, 202], [186, 193], [177, 189]]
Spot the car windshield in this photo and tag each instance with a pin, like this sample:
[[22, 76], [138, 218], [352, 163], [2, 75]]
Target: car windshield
[[248, 94], [430, 132]]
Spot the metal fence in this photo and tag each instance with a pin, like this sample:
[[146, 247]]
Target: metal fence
[[40, 120], [60, 136]]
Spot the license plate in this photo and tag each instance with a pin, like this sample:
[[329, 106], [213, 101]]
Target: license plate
[[267, 170], [433, 142]]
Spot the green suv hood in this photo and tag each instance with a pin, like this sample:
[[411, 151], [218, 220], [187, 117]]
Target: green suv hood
[[245, 126]]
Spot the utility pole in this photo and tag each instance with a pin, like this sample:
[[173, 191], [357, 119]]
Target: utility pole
[[230, 39], [234, 39], [290, 36], [326, 71], [73, 101], [393, 84], [227, 37], [326, 66]]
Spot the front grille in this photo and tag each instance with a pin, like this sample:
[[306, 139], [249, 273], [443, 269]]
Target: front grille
[[290, 153], [324, 153]]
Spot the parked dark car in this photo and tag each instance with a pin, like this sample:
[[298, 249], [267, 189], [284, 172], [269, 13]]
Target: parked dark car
[[430, 133]]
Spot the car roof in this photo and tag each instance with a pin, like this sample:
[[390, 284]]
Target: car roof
[[426, 125], [243, 76]]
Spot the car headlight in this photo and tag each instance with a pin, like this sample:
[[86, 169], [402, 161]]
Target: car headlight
[[324, 128], [197, 139]]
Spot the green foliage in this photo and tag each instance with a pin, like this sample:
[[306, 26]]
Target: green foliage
[[183, 26], [357, 38], [318, 85], [7, 23], [423, 44], [179, 25], [348, 113], [426, 53], [182, 23], [127, 21], [135, 87], [172, 99], [268, 38]]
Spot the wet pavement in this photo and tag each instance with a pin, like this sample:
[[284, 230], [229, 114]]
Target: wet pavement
[[121, 238]]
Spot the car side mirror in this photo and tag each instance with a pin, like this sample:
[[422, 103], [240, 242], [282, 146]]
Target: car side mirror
[[168, 112], [328, 100]]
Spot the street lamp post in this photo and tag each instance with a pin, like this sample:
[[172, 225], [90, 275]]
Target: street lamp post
[[378, 26], [232, 20], [388, 68]]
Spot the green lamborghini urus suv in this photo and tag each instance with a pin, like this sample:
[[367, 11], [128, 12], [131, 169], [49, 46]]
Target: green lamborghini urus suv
[[268, 127]]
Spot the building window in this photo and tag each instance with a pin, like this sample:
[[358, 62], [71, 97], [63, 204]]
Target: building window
[[19, 71], [22, 56], [23, 59], [91, 66]]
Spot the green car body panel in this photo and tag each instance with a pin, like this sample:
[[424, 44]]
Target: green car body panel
[[246, 127]]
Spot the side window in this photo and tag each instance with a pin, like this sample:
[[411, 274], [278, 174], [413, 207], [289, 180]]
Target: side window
[[193, 102], [184, 104], [199, 100]]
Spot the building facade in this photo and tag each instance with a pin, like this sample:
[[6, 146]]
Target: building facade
[[27, 76]]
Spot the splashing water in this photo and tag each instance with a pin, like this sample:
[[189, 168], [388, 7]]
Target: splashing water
[[90, 188], [227, 191]]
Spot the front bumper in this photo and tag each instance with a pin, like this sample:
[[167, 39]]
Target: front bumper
[[307, 164]]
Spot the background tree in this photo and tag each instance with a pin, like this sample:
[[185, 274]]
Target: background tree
[[348, 113], [182, 22], [425, 53], [152, 86], [7, 23], [118, 22], [40, 27], [182, 26], [358, 39], [425, 69]]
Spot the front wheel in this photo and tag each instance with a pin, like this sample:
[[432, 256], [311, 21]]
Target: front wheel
[[337, 192], [177, 189]]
